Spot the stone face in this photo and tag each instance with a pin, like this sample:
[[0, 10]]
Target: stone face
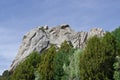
[[96, 31], [40, 38], [36, 39], [79, 39]]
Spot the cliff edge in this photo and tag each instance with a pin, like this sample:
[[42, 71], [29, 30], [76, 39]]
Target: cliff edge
[[41, 37]]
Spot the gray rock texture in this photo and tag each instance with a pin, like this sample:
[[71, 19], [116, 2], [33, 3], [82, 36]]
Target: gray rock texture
[[40, 38]]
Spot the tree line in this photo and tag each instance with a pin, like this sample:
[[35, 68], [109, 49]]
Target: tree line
[[100, 60]]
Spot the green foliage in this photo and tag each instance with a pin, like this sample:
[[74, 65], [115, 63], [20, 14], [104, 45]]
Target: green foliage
[[116, 65], [90, 60], [97, 61], [37, 75], [1, 77], [117, 69], [26, 69], [46, 67], [98, 58], [66, 47], [62, 58], [116, 34], [110, 50], [58, 64], [109, 44], [6, 75], [73, 69]]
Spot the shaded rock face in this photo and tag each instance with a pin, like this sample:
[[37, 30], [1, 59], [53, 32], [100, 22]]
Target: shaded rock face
[[40, 38]]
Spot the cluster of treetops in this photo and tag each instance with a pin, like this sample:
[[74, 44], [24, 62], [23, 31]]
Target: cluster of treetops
[[100, 60]]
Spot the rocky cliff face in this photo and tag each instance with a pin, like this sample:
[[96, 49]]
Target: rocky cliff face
[[40, 38]]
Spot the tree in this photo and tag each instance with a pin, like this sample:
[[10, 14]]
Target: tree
[[62, 58], [6, 75], [73, 69], [66, 47], [58, 65], [90, 60], [117, 69], [46, 67], [116, 65], [110, 51], [98, 58], [116, 34], [25, 70]]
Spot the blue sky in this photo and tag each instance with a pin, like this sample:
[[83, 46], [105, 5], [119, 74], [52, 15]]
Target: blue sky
[[19, 16]]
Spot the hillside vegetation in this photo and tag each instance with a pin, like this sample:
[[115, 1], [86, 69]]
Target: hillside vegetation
[[100, 60]]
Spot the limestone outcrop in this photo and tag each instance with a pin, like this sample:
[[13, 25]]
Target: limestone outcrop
[[40, 38]]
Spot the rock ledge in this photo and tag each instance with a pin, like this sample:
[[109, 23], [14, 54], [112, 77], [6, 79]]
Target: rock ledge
[[41, 37]]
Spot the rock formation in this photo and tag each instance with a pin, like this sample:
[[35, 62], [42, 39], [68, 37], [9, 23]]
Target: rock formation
[[40, 38]]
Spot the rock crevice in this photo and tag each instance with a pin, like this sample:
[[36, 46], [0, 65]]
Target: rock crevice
[[40, 38]]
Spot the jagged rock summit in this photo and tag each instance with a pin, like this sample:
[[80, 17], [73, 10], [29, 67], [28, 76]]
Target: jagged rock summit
[[40, 38]]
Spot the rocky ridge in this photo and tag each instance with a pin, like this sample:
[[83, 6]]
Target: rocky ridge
[[40, 38]]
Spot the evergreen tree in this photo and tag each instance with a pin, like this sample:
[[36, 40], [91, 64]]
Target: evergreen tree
[[62, 58], [25, 70], [116, 34], [58, 65], [73, 69], [98, 58], [116, 65], [110, 51], [46, 67], [6, 75], [117, 69]]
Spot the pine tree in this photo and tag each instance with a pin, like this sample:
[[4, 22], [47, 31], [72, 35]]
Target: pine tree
[[61, 59], [73, 69], [46, 67], [98, 58], [116, 34], [116, 65], [25, 70], [117, 69]]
